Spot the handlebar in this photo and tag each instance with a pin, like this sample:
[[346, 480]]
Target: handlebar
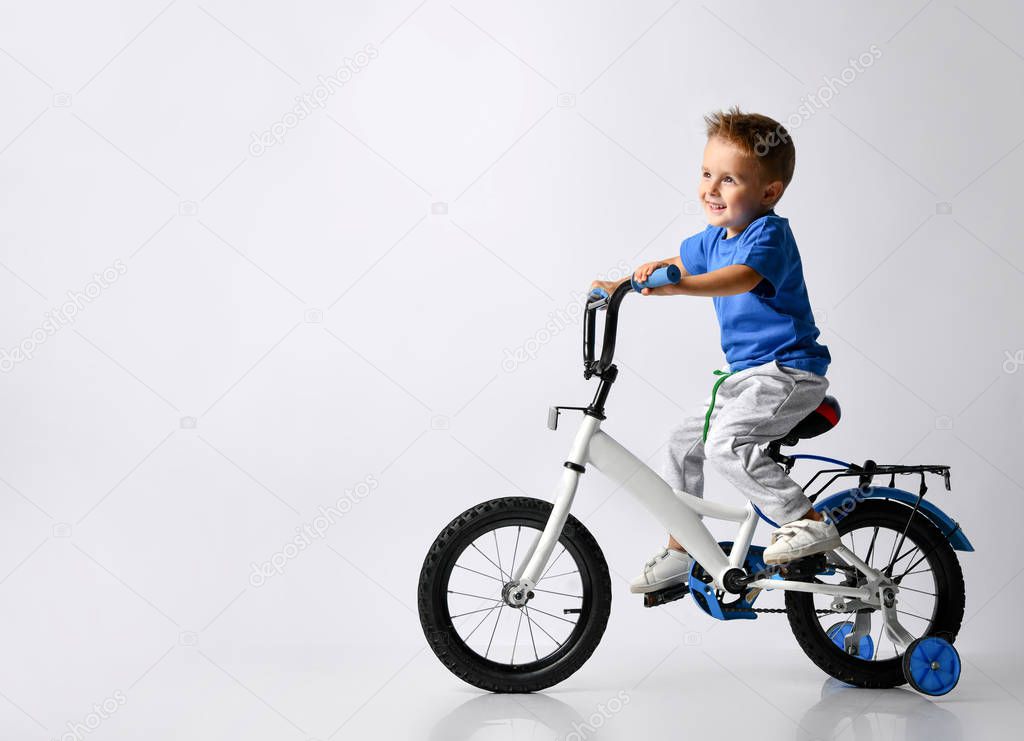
[[599, 299], [665, 276]]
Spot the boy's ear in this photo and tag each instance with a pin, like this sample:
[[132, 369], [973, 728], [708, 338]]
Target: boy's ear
[[772, 192]]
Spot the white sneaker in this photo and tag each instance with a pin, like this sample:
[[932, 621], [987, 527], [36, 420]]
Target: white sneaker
[[667, 568], [801, 538]]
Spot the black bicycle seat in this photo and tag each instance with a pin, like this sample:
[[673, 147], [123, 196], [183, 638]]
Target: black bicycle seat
[[821, 420]]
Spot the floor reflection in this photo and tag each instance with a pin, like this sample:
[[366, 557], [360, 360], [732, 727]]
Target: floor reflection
[[848, 713], [530, 716], [842, 713]]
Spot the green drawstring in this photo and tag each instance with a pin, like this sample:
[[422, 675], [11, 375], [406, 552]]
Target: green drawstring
[[714, 392]]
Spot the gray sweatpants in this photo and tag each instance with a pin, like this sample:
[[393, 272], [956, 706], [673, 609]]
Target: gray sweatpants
[[752, 407]]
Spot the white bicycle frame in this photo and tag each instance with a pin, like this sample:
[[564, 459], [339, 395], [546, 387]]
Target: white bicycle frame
[[679, 513]]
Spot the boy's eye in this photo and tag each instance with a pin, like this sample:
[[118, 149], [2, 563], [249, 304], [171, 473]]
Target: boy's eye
[[727, 178]]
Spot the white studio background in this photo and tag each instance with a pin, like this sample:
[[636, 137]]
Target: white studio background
[[260, 327]]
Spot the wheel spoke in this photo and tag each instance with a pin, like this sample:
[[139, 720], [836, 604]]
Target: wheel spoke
[[464, 594], [911, 614], [492, 562], [548, 591], [910, 569], [555, 576], [558, 644], [871, 547], [919, 591], [493, 631], [908, 573], [904, 555], [512, 566], [892, 554], [515, 641], [529, 625], [460, 566], [556, 617], [564, 549], [466, 639], [497, 552], [482, 609]]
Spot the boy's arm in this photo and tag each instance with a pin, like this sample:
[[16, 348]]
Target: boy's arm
[[727, 281]]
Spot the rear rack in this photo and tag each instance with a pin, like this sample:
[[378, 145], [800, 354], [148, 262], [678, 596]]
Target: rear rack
[[865, 473]]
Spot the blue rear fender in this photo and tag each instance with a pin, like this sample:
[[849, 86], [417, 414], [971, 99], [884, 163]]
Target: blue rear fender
[[841, 503]]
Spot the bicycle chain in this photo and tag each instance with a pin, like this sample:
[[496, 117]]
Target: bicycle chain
[[773, 610]]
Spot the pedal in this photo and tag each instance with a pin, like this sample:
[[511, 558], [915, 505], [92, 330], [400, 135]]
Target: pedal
[[669, 594], [805, 568]]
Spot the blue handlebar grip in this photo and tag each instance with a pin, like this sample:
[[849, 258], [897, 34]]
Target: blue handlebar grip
[[661, 277], [598, 293]]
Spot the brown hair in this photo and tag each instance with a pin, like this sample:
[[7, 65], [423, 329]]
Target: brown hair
[[761, 137]]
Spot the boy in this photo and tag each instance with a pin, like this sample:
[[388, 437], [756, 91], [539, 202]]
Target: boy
[[747, 260]]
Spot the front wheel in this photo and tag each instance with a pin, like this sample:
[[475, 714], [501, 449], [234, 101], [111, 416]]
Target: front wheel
[[476, 633]]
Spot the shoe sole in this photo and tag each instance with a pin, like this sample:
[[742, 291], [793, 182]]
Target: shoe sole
[[659, 585], [808, 550]]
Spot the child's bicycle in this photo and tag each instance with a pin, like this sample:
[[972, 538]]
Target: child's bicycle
[[514, 593]]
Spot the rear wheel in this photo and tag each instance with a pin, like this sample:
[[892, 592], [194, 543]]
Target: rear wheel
[[930, 600], [477, 634]]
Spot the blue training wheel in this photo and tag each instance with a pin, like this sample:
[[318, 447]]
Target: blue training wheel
[[931, 665], [838, 633]]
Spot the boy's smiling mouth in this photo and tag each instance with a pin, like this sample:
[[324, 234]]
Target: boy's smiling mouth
[[716, 208]]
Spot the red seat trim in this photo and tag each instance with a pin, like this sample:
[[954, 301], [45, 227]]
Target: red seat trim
[[828, 413]]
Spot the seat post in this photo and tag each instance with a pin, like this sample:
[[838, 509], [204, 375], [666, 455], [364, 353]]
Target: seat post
[[775, 453]]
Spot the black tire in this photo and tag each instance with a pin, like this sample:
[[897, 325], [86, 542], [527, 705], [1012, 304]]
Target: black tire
[[948, 602], [444, 637]]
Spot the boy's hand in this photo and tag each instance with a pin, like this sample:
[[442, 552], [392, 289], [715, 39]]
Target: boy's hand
[[643, 272], [609, 286]]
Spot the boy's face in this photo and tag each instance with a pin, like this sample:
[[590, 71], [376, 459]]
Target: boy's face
[[732, 188]]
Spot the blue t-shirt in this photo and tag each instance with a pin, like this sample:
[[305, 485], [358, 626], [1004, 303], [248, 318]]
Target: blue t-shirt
[[773, 321]]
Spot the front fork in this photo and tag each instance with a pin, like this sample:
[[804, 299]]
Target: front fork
[[529, 571]]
